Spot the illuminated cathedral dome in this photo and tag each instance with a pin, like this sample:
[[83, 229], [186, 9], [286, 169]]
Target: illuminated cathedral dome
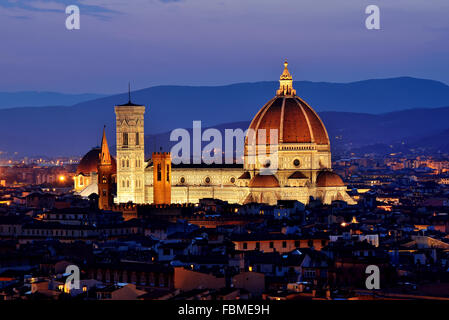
[[329, 179], [89, 163], [294, 119]]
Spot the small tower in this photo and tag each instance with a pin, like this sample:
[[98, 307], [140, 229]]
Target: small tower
[[105, 172], [130, 152], [162, 177]]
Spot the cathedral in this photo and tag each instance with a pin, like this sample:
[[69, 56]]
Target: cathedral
[[303, 154]]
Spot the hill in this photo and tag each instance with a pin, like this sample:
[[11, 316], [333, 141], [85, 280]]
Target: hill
[[363, 112]]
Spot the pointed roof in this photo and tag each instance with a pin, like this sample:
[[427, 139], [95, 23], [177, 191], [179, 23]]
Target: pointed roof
[[286, 74], [105, 156]]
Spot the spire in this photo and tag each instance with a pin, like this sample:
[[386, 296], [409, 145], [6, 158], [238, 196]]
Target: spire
[[286, 83], [105, 156]]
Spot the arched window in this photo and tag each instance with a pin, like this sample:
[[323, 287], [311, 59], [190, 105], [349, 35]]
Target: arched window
[[125, 139], [159, 172], [127, 183], [127, 163]]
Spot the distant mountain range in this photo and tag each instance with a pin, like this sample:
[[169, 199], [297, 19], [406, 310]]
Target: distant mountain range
[[42, 99], [356, 114]]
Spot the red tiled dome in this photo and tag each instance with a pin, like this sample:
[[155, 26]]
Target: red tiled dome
[[264, 181], [294, 119], [329, 179], [89, 163]]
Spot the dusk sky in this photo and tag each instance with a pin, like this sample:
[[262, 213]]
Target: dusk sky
[[209, 42]]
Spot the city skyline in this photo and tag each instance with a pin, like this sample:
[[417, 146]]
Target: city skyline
[[240, 153]]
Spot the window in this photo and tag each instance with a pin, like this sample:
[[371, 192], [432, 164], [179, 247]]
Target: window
[[297, 243], [245, 246], [159, 172], [168, 173], [271, 244], [137, 139], [284, 244], [309, 274], [267, 164], [257, 245], [127, 163], [125, 138], [127, 183], [310, 243]]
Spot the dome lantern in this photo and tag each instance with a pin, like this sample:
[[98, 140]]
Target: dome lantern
[[286, 83]]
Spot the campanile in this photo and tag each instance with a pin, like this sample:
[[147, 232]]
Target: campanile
[[130, 153]]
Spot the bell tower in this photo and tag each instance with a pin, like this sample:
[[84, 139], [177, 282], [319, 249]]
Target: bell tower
[[161, 177], [130, 152], [105, 172]]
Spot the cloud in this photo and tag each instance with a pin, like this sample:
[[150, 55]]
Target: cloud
[[56, 6]]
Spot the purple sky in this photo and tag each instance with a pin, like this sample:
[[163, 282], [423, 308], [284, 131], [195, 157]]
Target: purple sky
[[209, 42]]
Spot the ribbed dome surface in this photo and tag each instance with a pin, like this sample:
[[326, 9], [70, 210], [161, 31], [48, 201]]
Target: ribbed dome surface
[[89, 163], [329, 179], [294, 119]]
